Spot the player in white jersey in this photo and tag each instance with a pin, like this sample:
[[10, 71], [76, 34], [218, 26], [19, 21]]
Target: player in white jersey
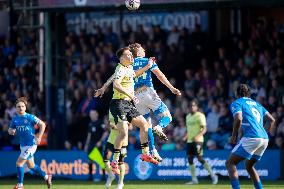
[[22, 125], [248, 116], [147, 96]]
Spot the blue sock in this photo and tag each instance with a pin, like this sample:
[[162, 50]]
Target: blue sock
[[235, 183], [164, 121], [37, 170], [21, 173], [31, 172], [151, 139], [257, 185]]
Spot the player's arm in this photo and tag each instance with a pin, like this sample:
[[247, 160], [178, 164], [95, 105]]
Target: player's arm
[[161, 76], [269, 122], [42, 127], [201, 133], [145, 68], [99, 92], [12, 128], [236, 126], [103, 138], [87, 143]]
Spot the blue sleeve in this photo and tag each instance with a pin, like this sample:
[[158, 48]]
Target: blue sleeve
[[154, 66], [34, 120], [236, 108], [12, 125]]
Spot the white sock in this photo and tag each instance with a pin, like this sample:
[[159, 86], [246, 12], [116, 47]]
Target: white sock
[[45, 177]]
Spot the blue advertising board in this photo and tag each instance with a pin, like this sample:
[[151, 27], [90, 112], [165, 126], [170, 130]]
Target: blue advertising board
[[74, 165]]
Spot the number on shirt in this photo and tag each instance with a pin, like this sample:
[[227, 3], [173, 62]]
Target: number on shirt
[[256, 114]]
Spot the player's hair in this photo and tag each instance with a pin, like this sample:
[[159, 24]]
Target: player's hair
[[134, 48], [195, 101], [243, 90], [120, 51], [22, 99]]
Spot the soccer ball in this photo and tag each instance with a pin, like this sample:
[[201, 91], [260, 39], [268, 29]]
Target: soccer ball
[[132, 4]]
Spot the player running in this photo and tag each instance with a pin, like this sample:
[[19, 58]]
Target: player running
[[196, 129], [109, 152], [248, 115], [22, 125], [147, 96], [122, 106]]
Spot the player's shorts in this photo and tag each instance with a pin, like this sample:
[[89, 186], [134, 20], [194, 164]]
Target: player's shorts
[[251, 148], [110, 148], [194, 148], [123, 110], [112, 137], [27, 152], [149, 100]]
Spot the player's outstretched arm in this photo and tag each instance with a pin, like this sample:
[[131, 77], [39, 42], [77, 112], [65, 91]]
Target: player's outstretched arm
[[269, 124], [145, 68], [236, 125], [42, 126], [100, 92], [161, 76]]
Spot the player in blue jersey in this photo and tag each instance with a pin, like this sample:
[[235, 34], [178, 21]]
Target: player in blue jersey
[[248, 117], [22, 125], [147, 96]]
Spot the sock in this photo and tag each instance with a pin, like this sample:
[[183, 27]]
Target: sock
[[257, 185], [235, 183], [164, 121], [31, 172], [21, 173], [38, 171], [116, 155], [107, 167], [208, 168], [193, 172], [151, 139], [122, 173], [145, 148]]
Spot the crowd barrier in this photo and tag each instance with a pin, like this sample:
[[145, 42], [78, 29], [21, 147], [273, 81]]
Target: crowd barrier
[[74, 165]]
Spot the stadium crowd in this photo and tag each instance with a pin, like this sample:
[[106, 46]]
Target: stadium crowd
[[193, 61]]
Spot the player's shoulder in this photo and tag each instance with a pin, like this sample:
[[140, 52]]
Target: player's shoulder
[[30, 116], [140, 61], [200, 114]]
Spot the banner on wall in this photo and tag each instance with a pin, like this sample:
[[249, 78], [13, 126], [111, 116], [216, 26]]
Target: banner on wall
[[74, 165], [167, 20]]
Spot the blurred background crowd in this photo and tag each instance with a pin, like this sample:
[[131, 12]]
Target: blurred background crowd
[[193, 61]]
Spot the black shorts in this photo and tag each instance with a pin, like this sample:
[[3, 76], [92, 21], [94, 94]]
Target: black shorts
[[109, 149], [195, 148], [123, 110]]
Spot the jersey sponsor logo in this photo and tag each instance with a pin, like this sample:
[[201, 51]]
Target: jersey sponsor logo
[[22, 128], [142, 170]]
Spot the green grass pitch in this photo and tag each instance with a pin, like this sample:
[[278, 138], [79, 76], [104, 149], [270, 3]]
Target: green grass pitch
[[66, 184]]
